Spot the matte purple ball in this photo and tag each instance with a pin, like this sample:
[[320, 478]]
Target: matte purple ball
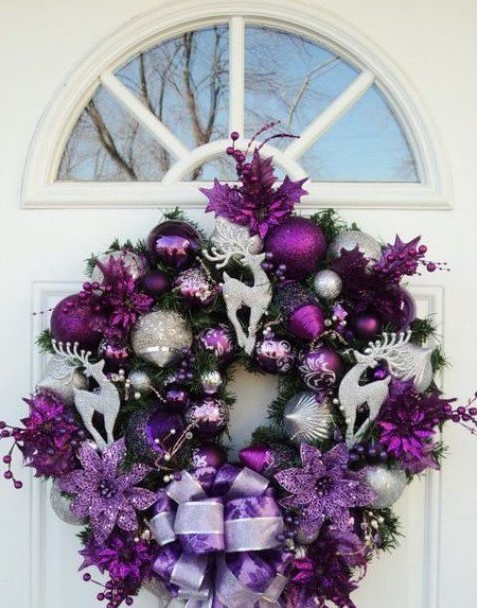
[[299, 244], [73, 321], [367, 325], [155, 282], [208, 456], [209, 416], [174, 243], [218, 341], [321, 368]]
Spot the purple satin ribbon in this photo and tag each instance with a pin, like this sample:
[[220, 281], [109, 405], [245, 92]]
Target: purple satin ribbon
[[211, 546]]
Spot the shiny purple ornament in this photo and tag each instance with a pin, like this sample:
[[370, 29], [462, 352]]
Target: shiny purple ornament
[[194, 288], [177, 399], [72, 321], [265, 459], [298, 244], [155, 283], [274, 355], [208, 456], [218, 341], [152, 431], [303, 316], [321, 368], [209, 416], [173, 243], [366, 325], [115, 354]]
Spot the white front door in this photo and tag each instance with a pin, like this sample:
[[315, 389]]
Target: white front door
[[56, 210]]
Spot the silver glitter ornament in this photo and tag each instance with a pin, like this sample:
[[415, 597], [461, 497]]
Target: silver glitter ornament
[[233, 241], [159, 337], [133, 262], [211, 382], [308, 417], [61, 506], [62, 378], [389, 484], [349, 239], [327, 284], [140, 381]]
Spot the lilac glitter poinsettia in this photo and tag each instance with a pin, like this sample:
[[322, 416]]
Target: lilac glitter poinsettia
[[50, 436], [324, 488], [128, 561], [256, 203], [104, 493]]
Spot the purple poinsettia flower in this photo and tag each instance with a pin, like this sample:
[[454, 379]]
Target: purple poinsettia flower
[[256, 203], [324, 488], [104, 493]]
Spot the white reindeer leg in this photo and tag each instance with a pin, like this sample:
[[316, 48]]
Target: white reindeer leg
[[109, 421], [86, 412]]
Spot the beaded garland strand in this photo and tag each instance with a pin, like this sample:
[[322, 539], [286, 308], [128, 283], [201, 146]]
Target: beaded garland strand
[[130, 416]]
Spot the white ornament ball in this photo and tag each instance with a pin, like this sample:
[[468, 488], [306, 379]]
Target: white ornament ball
[[327, 284], [211, 382], [159, 337], [308, 417], [61, 506], [349, 239], [133, 262], [388, 484]]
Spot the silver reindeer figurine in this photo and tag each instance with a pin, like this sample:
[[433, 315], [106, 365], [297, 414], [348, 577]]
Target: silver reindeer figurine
[[352, 394], [233, 241], [105, 400]]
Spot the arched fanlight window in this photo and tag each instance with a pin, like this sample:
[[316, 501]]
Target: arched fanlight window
[[158, 119]]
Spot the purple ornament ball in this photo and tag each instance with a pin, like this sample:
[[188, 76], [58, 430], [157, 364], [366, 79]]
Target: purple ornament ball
[[208, 416], [298, 244], [115, 354], [303, 316], [173, 243], [177, 399], [73, 321], [321, 368], [274, 355], [366, 325], [210, 455], [218, 341], [155, 283], [152, 431], [194, 288]]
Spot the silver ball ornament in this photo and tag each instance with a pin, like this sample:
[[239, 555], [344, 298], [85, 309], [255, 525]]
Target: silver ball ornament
[[140, 381], [308, 417], [327, 284], [349, 239], [133, 262], [388, 484], [61, 506], [211, 382], [306, 539], [62, 379], [159, 337]]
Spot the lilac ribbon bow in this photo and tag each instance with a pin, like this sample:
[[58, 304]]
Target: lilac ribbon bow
[[220, 551]]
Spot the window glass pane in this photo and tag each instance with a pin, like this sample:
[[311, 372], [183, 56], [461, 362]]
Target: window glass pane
[[184, 82], [107, 144], [289, 78], [366, 144]]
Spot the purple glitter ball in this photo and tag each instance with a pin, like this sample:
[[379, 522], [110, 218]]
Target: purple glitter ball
[[366, 325], [298, 244], [208, 456], [209, 416], [177, 399], [152, 431], [194, 288], [173, 243], [218, 341], [321, 368], [72, 321], [155, 283], [275, 355]]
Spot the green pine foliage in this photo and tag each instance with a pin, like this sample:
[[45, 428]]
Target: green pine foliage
[[45, 342]]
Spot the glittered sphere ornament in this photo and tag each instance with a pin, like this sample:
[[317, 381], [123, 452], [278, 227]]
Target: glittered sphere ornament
[[308, 417], [388, 484], [303, 316], [194, 288], [160, 337], [350, 239], [174, 243], [74, 321], [209, 416], [298, 244], [274, 355], [327, 284], [320, 367], [134, 263]]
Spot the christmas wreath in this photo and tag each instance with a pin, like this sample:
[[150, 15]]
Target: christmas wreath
[[129, 418]]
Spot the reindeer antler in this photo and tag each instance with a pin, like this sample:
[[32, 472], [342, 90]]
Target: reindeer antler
[[69, 352], [229, 240], [384, 348]]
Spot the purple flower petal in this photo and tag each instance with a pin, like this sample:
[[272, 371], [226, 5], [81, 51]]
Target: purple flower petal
[[140, 498]]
